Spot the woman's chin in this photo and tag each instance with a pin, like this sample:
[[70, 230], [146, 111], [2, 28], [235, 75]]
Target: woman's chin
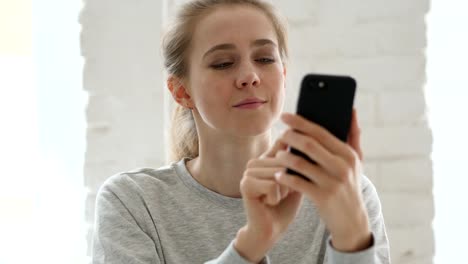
[[252, 129]]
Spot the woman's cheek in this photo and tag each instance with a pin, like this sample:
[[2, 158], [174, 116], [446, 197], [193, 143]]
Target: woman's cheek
[[280, 98]]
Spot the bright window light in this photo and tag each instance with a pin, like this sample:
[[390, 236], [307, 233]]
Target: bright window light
[[447, 97], [42, 138]]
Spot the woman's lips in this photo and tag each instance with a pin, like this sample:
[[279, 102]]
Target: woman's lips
[[250, 105], [250, 100]]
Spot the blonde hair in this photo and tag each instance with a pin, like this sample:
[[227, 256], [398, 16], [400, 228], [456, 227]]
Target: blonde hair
[[183, 134]]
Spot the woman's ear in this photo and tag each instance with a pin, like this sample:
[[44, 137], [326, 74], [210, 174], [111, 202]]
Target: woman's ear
[[179, 92]]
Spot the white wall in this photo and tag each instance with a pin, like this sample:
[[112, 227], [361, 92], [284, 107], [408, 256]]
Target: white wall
[[120, 43], [380, 43]]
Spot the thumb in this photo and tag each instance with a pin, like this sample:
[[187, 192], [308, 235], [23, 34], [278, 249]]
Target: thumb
[[271, 153]]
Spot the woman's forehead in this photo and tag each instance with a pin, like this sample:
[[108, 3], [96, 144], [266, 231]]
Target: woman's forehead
[[238, 25]]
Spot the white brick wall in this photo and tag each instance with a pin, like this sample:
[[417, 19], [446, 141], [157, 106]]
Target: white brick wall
[[406, 175], [380, 43], [412, 244]]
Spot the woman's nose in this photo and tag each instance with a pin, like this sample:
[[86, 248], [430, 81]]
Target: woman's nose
[[247, 78]]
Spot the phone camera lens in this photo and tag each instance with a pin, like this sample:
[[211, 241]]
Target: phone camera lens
[[321, 85]]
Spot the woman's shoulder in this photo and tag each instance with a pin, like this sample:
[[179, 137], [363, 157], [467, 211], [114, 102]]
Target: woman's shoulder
[[141, 179]]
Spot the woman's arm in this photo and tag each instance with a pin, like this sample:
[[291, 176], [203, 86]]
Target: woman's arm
[[118, 237], [232, 256], [379, 251]]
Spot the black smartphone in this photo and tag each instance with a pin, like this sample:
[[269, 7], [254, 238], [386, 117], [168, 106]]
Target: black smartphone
[[326, 100]]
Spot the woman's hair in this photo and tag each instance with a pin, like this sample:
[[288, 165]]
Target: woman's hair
[[183, 134]]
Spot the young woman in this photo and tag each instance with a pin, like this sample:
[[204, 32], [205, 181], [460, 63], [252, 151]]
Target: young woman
[[226, 198]]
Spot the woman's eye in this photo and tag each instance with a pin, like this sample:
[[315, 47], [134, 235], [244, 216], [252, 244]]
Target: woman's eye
[[265, 60], [221, 66]]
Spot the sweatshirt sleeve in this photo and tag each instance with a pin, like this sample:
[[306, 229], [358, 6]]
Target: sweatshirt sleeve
[[231, 256], [118, 237], [379, 251]]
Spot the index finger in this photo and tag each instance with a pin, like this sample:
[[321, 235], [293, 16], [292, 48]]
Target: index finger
[[323, 136]]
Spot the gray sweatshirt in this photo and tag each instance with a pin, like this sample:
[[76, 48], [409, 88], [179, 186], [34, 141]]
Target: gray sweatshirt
[[164, 216]]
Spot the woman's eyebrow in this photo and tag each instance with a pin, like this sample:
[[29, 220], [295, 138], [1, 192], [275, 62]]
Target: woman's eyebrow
[[263, 42], [225, 46], [229, 46]]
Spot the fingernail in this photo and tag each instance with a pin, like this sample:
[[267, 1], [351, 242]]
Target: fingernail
[[277, 175]]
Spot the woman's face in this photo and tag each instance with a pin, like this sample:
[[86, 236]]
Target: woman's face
[[234, 56]]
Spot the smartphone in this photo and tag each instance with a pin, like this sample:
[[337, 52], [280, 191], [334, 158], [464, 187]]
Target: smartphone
[[326, 100]]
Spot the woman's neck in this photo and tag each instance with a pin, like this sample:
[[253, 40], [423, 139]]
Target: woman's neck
[[221, 163]]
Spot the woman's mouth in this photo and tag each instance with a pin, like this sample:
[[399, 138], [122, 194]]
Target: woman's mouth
[[250, 103]]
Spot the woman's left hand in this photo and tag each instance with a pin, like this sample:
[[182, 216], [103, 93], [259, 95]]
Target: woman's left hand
[[334, 187]]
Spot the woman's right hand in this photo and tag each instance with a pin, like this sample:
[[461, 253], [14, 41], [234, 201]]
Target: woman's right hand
[[270, 207]]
